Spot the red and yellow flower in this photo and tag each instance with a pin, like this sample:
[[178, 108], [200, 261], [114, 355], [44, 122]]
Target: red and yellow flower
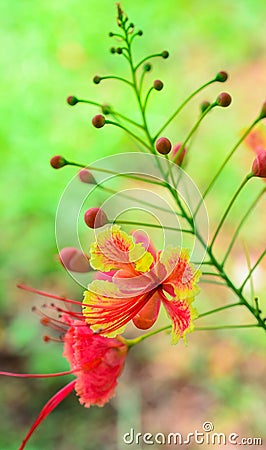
[[139, 281]]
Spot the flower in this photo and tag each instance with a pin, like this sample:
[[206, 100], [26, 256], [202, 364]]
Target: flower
[[95, 360], [142, 279]]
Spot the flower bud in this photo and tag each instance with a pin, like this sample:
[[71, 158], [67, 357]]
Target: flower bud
[[86, 176], [97, 79], [72, 100], [110, 34], [119, 51], [98, 121], [95, 218], [106, 109], [263, 111], [224, 99], [158, 85], [58, 161], [204, 105], [140, 32], [259, 165], [147, 67], [181, 155], [221, 76], [165, 54], [74, 260], [163, 145], [112, 50]]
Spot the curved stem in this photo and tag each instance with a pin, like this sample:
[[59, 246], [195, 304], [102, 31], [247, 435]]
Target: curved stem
[[110, 122], [252, 270], [224, 327], [151, 225], [183, 104], [115, 77], [155, 55], [244, 182]]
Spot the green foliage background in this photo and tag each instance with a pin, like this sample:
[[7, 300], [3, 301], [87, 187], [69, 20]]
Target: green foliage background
[[51, 49]]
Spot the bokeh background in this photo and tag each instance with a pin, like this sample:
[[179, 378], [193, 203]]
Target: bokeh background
[[51, 49]]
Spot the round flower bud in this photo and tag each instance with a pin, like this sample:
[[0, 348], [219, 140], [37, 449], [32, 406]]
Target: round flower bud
[[74, 260], [181, 155], [110, 34], [98, 121], [147, 67], [119, 50], [71, 100], [163, 145], [158, 85], [165, 54], [112, 50], [86, 176], [95, 218], [140, 32], [58, 161], [204, 105], [224, 99], [221, 76], [97, 79], [263, 111], [106, 109], [259, 165]]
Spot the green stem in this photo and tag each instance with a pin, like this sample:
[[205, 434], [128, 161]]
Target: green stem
[[155, 55], [252, 270], [132, 342], [241, 223], [151, 225], [224, 327], [221, 308], [110, 122], [147, 98], [194, 129], [177, 111], [115, 77], [229, 156], [244, 182]]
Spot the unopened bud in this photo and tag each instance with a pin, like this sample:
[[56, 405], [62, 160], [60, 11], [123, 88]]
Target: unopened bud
[[221, 76], [97, 79], [158, 85], [86, 176], [147, 67], [140, 32], [165, 54], [110, 34], [263, 111], [106, 109], [119, 51], [98, 121], [224, 99], [181, 155], [58, 161], [112, 50], [259, 165], [163, 145], [74, 260], [72, 100], [95, 218], [204, 105]]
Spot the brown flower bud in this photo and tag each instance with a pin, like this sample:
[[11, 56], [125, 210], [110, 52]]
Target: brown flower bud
[[221, 76], [58, 161], [72, 100], [86, 176], [259, 165], [224, 99], [98, 121], [158, 85], [163, 145]]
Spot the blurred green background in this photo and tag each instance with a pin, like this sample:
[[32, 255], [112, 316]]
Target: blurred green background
[[51, 49]]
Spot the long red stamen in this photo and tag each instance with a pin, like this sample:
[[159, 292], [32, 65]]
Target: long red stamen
[[47, 294], [38, 375], [48, 408]]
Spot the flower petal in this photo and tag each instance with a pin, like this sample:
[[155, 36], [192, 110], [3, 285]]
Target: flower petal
[[182, 315], [147, 316], [115, 249], [181, 277]]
